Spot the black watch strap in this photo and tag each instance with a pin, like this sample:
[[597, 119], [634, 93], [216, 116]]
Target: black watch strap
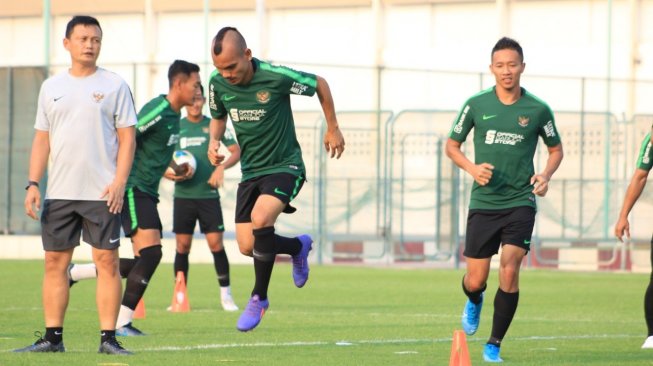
[[31, 183]]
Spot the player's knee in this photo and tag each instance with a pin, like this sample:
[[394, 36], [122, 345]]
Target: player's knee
[[261, 218], [473, 284], [246, 251], [107, 263], [151, 255]]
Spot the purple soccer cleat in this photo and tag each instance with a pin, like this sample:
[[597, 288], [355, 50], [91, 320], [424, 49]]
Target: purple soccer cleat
[[253, 314], [300, 261]]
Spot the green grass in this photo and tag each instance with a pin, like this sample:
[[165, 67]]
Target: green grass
[[344, 316]]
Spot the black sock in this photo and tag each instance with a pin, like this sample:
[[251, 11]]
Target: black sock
[[54, 335], [264, 255], [139, 277], [475, 296], [285, 245], [221, 264], [505, 305], [126, 266], [105, 335], [181, 264]]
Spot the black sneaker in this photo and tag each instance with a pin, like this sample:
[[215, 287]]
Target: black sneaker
[[113, 347], [41, 345]]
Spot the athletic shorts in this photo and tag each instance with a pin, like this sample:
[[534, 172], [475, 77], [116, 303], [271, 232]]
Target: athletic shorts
[[284, 186], [487, 230], [64, 221], [187, 211], [139, 212]]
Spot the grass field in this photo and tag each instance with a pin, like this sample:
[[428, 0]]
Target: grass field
[[344, 316]]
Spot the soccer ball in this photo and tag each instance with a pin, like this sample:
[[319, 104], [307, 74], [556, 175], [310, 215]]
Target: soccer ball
[[183, 157]]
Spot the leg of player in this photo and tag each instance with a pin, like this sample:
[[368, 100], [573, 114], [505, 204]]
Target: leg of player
[[221, 264], [505, 300], [55, 302], [84, 271], [474, 285], [138, 279], [648, 307], [184, 242]]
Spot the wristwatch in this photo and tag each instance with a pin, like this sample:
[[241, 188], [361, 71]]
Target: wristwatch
[[31, 183]]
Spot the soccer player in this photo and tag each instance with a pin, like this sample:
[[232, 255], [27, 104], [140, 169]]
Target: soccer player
[[85, 134], [256, 95], [635, 188], [198, 198], [157, 134], [507, 121]]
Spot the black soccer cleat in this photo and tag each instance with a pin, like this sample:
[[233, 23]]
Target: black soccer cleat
[[41, 345], [113, 347]]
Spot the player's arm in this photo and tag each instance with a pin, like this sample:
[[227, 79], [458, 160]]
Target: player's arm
[[541, 181], [216, 131], [635, 189], [37, 164], [334, 142], [482, 173], [126, 147], [217, 178]]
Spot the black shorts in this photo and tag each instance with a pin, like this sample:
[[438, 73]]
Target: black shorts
[[62, 222], [487, 230], [187, 211], [139, 211], [284, 186]]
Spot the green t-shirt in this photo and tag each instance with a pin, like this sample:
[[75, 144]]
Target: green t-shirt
[[262, 118], [157, 133], [506, 137], [194, 138], [645, 158]]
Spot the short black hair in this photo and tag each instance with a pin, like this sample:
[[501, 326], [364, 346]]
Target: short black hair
[[181, 67], [217, 40], [81, 19], [506, 43]]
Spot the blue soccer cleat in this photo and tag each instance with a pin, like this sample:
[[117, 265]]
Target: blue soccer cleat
[[253, 314], [471, 316], [491, 353], [128, 330], [300, 261]]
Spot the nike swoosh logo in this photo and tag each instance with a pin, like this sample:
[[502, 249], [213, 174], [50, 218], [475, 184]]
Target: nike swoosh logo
[[227, 98], [488, 117], [113, 240], [57, 333], [527, 242], [55, 99], [144, 281], [170, 127], [278, 191]]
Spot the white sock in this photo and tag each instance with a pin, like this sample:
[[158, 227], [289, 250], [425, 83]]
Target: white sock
[[225, 292], [83, 271], [124, 316]]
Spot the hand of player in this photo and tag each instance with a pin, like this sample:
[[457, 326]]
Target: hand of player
[[622, 227], [187, 172], [334, 142], [32, 201], [540, 184], [482, 173], [214, 157], [216, 179], [115, 193]]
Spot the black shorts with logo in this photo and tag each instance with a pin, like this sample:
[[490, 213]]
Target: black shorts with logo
[[187, 211], [64, 221], [139, 211], [487, 230], [284, 186]]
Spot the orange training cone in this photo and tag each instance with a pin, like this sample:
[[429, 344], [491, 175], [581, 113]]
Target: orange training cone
[[180, 295], [459, 351], [139, 312]]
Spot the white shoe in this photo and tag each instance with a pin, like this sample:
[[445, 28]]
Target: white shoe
[[228, 303], [648, 343]]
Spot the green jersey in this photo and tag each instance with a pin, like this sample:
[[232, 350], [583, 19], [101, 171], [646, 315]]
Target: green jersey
[[262, 117], [157, 133], [506, 137], [645, 158], [194, 138]]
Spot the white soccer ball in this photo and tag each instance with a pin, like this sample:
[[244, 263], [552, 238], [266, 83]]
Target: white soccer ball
[[182, 157]]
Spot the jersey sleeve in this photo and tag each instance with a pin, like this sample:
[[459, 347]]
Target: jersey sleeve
[[645, 158], [125, 114], [548, 130], [42, 122], [293, 81], [149, 116], [228, 138], [216, 107], [463, 124]]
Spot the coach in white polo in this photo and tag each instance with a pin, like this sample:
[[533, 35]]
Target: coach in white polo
[[85, 136]]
